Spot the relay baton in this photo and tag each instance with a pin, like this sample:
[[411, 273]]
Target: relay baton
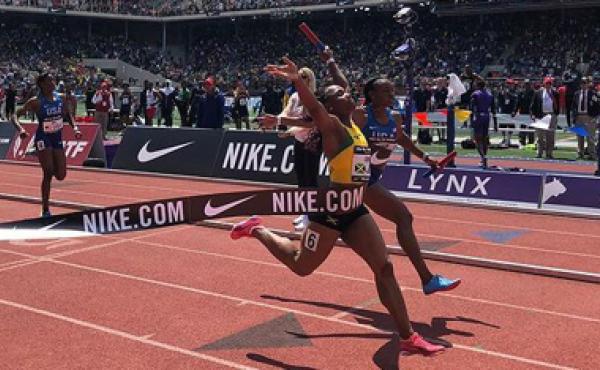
[[310, 35], [443, 163]]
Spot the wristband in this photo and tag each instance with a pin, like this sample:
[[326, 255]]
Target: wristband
[[278, 120]]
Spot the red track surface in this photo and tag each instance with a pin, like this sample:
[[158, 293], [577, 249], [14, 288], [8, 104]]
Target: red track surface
[[154, 299]]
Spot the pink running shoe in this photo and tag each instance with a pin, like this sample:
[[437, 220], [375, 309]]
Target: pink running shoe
[[416, 344], [245, 228]]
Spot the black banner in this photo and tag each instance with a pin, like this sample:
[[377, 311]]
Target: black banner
[[258, 156], [182, 151], [7, 133], [175, 211]]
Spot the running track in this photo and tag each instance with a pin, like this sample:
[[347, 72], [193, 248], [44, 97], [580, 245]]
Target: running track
[[189, 297]]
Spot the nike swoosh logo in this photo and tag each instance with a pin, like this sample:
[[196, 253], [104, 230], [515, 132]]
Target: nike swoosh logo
[[144, 155], [52, 225], [211, 211]]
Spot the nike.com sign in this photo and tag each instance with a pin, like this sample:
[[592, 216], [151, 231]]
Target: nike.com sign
[[258, 157]]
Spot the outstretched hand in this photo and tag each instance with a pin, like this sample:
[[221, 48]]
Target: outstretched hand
[[288, 71], [267, 121]]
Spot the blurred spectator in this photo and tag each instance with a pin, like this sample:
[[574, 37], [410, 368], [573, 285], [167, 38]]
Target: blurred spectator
[[182, 100], [571, 78], [545, 102], [211, 106], [524, 100], [104, 104], [584, 114], [240, 107], [126, 100], [507, 104], [11, 99]]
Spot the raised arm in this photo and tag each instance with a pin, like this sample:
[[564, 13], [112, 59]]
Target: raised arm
[[315, 109], [334, 71]]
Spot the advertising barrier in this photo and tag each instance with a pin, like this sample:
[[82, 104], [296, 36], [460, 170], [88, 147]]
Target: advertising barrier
[[7, 133], [76, 150], [264, 157], [491, 185], [182, 151], [571, 191], [260, 157]]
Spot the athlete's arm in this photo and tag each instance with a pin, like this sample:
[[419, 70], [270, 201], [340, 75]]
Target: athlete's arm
[[334, 71], [271, 121], [405, 142], [315, 109], [32, 105], [359, 116]]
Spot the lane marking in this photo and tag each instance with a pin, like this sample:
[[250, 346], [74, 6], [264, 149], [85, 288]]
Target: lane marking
[[370, 281], [125, 335], [295, 311]]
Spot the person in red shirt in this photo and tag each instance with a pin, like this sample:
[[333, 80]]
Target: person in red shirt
[[104, 104]]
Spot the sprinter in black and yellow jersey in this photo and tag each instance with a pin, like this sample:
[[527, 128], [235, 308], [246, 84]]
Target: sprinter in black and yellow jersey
[[349, 155]]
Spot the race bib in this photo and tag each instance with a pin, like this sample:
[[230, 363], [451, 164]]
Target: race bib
[[52, 126], [243, 102], [104, 103], [506, 101], [361, 164], [125, 101]]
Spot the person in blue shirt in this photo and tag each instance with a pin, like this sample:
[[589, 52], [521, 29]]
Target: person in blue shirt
[[483, 106], [211, 106], [51, 113]]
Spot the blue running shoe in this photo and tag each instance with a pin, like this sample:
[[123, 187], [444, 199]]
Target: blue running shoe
[[46, 214], [438, 283]]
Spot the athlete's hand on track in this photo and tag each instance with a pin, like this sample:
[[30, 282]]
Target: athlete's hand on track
[[23, 134], [267, 121], [288, 71]]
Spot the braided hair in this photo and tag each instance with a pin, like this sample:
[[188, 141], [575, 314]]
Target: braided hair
[[370, 86]]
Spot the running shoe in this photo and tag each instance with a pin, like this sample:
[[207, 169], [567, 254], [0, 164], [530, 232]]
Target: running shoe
[[300, 226], [244, 228], [298, 220], [46, 214], [416, 344], [438, 283]]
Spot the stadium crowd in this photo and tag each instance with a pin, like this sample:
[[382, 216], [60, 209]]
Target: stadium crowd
[[161, 8]]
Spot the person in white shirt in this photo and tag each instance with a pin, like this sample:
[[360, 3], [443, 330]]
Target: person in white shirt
[[545, 102]]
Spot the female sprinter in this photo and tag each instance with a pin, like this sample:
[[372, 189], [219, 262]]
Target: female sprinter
[[344, 145], [49, 109], [306, 162], [383, 130]]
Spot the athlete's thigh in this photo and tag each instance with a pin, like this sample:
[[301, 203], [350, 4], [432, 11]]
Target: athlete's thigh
[[60, 162], [45, 156], [366, 240], [316, 244], [381, 201]]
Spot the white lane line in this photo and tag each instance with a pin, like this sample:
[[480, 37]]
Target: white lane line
[[295, 311], [370, 281], [358, 307], [125, 335]]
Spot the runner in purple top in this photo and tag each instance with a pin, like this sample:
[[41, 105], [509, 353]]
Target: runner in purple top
[[482, 105]]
